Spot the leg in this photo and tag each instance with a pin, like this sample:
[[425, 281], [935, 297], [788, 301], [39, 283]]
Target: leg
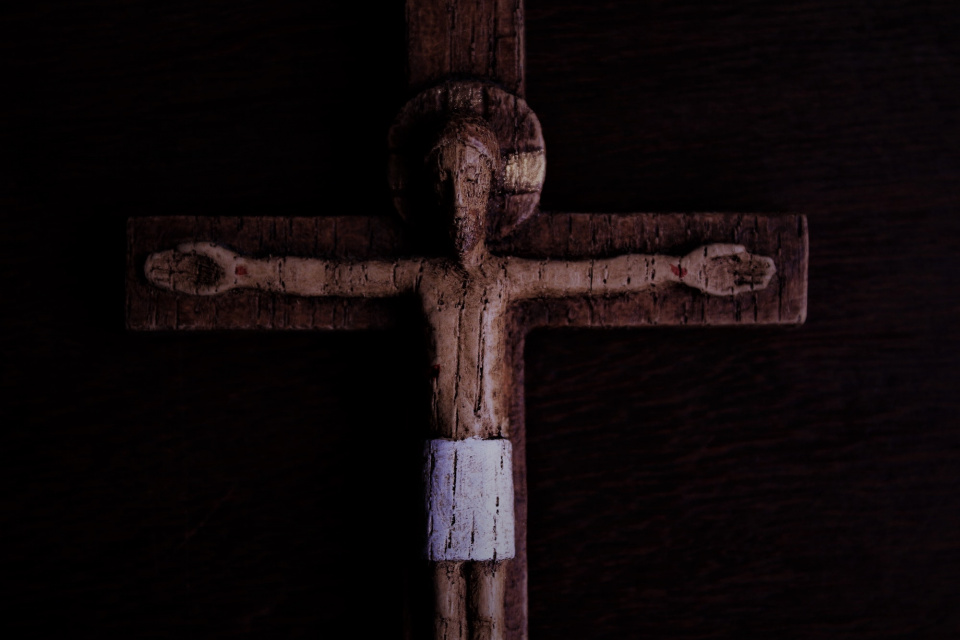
[[450, 611], [485, 590]]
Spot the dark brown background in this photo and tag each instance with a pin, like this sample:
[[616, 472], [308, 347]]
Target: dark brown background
[[683, 483]]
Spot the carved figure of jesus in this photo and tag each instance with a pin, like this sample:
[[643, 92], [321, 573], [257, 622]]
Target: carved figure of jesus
[[464, 298]]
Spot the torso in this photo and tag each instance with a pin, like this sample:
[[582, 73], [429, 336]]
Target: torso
[[466, 314]]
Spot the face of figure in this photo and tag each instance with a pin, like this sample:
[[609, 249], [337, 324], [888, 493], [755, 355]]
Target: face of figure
[[464, 163]]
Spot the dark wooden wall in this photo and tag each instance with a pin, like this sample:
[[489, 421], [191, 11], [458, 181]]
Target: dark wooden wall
[[683, 484]]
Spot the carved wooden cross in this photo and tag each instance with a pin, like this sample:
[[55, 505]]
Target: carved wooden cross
[[466, 169]]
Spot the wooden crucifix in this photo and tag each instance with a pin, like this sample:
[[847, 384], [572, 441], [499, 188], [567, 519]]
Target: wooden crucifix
[[467, 164]]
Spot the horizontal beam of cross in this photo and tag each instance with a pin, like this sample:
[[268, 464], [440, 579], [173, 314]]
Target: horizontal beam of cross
[[563, 236]]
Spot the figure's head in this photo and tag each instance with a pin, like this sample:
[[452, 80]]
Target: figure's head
[[464, 163]]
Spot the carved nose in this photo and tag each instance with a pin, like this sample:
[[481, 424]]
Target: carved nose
[[469, 180]]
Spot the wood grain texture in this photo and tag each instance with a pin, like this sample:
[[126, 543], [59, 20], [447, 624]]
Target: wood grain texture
[[450, 601], [763, 483], [486, 583], [815, 505], [465, 39]]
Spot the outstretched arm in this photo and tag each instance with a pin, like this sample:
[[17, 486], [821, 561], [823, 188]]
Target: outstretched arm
[[716, 269], [204, 268]]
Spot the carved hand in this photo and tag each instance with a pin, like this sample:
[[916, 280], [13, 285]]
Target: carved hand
[[197, 268], [725, 269]]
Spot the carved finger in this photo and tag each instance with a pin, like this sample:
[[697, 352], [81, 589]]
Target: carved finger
[[720, 250], [755, 273]]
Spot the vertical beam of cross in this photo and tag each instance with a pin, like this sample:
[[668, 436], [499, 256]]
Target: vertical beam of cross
[[455, 38]]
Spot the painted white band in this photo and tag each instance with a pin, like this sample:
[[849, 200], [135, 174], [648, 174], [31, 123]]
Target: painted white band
[[469, 485]]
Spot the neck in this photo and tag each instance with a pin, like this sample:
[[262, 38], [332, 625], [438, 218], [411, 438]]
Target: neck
[[471, 259]]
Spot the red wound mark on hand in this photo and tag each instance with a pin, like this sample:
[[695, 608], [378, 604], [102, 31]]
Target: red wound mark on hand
[[678, 271], [435, 371], [240, 270]]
